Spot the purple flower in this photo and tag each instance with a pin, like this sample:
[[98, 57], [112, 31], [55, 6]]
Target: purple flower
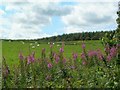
[[83, 45], [21, 57], [83, 56], [113, 51], [54, 55], [57, 58], [49, 65], [92, 53], [64, 60], [109, 58], [84, 62], [61, 50], [75, 55], [99, 55], [30, 59]]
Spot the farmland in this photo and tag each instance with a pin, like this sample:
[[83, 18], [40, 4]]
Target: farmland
[[10, 50]]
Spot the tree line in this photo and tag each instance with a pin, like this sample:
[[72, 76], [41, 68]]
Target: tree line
[[79, 36]]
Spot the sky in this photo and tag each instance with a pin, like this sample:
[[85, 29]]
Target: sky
[[32, 19]]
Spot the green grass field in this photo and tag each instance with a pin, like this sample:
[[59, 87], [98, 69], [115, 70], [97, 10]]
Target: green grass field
[[10, 50]]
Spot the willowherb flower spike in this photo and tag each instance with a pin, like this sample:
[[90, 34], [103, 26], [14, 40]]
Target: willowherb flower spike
[[113, 52], [64, 60], [109, 57], [83, 56], [57, 58], [49, 65], [28, 60], [83, 45], [75, 56], [21, 57], [61, 50], [92, 53], [32, 58], [99, 55], [84, 63]]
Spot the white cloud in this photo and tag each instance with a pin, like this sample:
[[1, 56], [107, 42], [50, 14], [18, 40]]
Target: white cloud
[[72, 30], [28, 19], [90, 15]]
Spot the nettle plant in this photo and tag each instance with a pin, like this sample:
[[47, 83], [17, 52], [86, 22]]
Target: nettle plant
[[57, 71]]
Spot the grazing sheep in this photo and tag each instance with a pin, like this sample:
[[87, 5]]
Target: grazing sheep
[[22, 42], [38, 45], [33, 46], [58, 45]]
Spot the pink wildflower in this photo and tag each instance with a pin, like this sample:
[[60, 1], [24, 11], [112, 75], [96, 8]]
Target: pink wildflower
[[64, 60], [109, 58], [21, 57], [113, 51], [92, 53], [99, 55], [83, 45], [57, 58], [75, 55], [83, 56], [84, 62], [61, 50], [49, 65], [30, 59]]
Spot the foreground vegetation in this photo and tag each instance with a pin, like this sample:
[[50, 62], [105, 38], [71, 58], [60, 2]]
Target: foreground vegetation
[[91, 68]]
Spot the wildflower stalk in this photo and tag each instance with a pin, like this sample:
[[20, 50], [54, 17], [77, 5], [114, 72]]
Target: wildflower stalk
[[61, 57], [51, 52], [84, 51]]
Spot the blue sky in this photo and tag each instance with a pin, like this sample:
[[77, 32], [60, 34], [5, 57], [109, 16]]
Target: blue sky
[[30, 20]]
